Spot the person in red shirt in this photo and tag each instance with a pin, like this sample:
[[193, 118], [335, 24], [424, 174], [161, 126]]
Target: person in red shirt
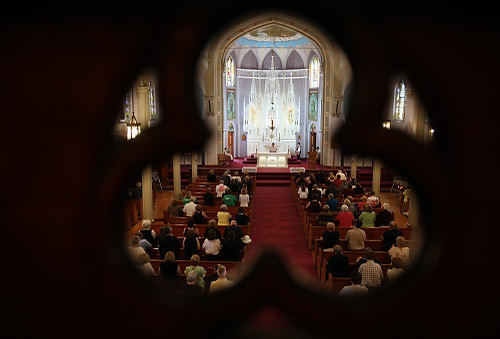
[[345, 218], [361, 204], [337, 182]]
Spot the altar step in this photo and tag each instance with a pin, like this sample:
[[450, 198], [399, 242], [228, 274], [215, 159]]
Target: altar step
[[250, 161], [273, 179]]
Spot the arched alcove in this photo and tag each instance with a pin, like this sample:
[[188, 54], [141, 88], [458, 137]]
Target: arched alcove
[[249, 61], [272, 56]]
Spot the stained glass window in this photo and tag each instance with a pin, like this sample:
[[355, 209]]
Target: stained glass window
[[314, 72], [128, 107], [152, 101], [229, 72], [400, 101]]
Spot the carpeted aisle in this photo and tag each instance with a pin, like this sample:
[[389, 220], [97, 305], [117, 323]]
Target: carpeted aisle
[[276, 223]]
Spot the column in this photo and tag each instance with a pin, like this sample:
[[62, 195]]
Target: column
[[194, 166], [413, 210], [354, 166], [177, 175], [147, 181], [377, 169]]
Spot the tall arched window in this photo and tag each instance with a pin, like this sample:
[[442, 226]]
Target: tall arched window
[[229, 72], [128, 108], [152, 101], [314, 72], [400, 101]]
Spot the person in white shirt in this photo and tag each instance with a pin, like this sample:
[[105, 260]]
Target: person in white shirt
[[244, 198], [143, 264], [220, 189], [211, 245], [342, 175], [400, 250], [134, 249], [355, 289], [190, 207], [303, 192], [396, 270], [373, 200], [356, 238], [236, 177], [297, 150]]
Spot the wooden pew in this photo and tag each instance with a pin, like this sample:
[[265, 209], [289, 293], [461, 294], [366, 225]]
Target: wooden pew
[[350, 268], [207, 265], [323, 255], [178, 229]]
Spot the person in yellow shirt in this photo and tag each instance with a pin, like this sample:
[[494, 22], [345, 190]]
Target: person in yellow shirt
[[223, 216], [221, 283]]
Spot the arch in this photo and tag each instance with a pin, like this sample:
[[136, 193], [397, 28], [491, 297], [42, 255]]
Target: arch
[[327, 51], [249, 61], [266, 63], [294, 61]]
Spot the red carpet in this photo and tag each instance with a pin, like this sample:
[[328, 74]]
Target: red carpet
[[276, 224]]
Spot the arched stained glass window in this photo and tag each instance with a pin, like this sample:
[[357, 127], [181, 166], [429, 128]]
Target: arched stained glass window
[[229, 72], [128, 108], [152, 101], [400, 101], [314, 72]]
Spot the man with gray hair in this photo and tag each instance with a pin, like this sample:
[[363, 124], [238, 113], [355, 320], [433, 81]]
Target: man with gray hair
[[384, 217], [190, 207], [134, 249], [221, 283]]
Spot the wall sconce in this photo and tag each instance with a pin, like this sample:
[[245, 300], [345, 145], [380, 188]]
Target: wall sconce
[[431, 131], [133, 128], [386, 124]]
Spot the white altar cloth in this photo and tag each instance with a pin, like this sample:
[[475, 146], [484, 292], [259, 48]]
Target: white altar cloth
[[272, 159]]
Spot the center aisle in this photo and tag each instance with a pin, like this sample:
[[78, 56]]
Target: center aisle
[[276, 222]]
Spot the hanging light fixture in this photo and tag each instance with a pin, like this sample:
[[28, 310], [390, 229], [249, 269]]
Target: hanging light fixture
[[133, 128], [386, 124]]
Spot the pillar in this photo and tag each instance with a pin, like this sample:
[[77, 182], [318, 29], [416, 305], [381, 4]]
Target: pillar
[[354, 166], [377, 169], [413, 210], [177, 175], [147, 181], [194, 166]]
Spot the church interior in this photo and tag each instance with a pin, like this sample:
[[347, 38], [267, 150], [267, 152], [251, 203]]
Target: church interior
[[302, 169]]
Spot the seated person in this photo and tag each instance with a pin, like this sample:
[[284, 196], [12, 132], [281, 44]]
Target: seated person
[[191, 244], [191, 286], [211, 246], [384, 217], [337, 263], [236, 177], [190, 207], [356, 238], [190, 226], [369, 255], [167, 242], [209, 278], [355, 289], [232, 247], [147, 233], [367, 217], [222, 282], [350, 206], [400, 250], [168, 267], [175, 208], [187, 198], [212, 225], [396, 270], [235, 228], [226, 178], [229, 199], [314, 206], [208, 197], [241, 218], [220, 189], [373, 200], [337, 181], [235, 185], [362, 203], [326, 216], [320, 177], [211, 177], [223, 216], [315, 190], [331, 189], [344, 217], [348, 190], [303, 192], [146, 245], [389, 237], [332, 203], [342, 174], [143, 264], [244, 197], [199, 270], [199, 216], [330, 237]]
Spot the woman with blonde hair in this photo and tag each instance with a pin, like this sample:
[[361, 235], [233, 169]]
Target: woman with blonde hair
[[330, 237], [143, 264], [244, 198], [199, 270], [400, 250], [345, 218], [367, 217], [223, 216]]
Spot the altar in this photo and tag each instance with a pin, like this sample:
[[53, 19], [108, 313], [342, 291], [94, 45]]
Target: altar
[[272, 159]]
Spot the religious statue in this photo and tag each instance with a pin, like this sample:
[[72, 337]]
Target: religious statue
[[273, 148]]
